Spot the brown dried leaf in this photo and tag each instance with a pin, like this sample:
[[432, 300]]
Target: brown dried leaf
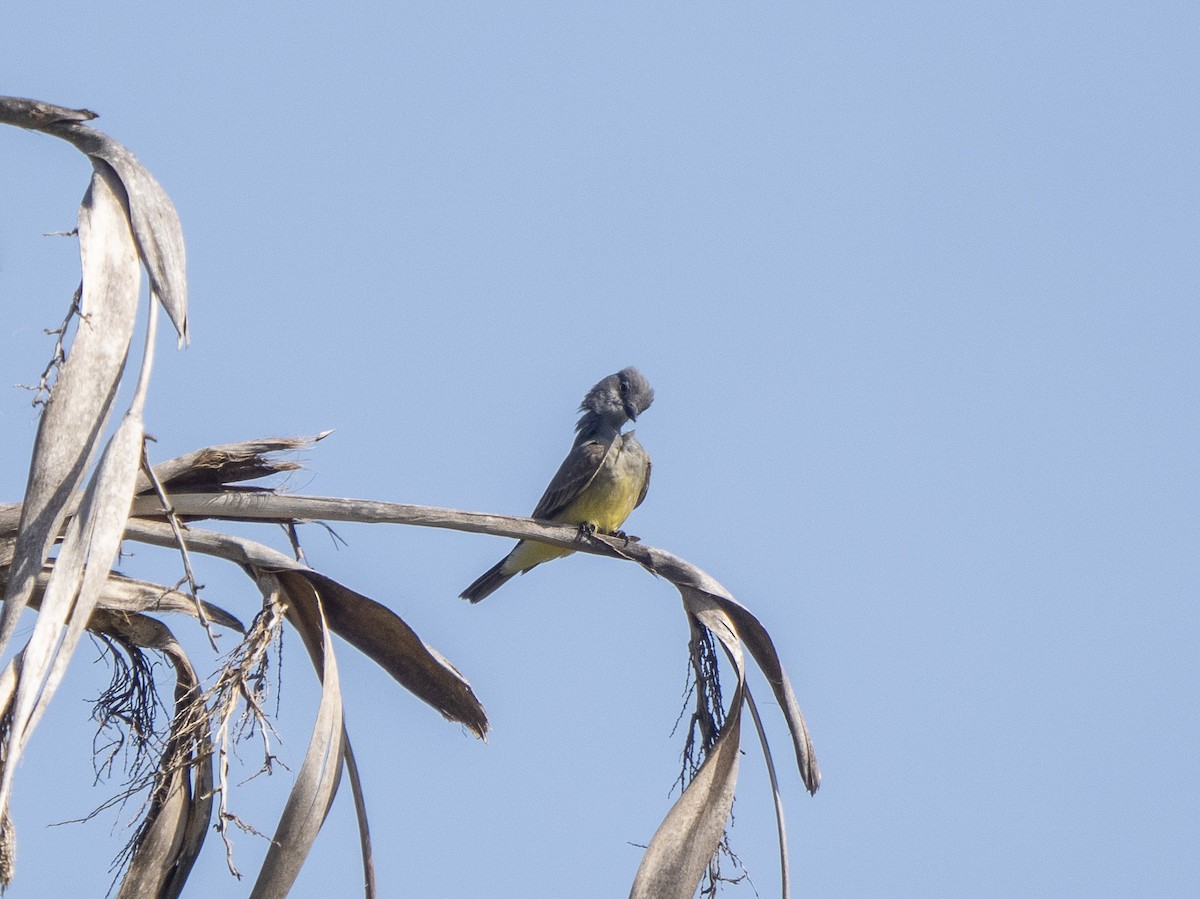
[[762, 648], [215, 466], [369, 625], [380, 633]]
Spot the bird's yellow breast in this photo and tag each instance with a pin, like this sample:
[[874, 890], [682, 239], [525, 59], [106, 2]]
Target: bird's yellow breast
[[604, 503], [607, 501]]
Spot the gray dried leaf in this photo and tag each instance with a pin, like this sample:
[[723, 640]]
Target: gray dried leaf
[[687, 839], [317, 780], [79, 407], [155, 222], [174, 830], [74, 587]]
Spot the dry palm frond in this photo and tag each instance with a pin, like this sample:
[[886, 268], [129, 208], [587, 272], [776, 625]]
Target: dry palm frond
[[128, 224], [680, 851]]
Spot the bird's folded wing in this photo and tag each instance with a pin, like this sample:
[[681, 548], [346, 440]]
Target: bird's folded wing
[[573, 476], [645, 483]]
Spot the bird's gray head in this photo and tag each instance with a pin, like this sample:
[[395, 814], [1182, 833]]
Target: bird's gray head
[[615, 400]]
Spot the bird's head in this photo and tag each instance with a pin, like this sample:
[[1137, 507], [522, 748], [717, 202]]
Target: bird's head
[[617, 399]]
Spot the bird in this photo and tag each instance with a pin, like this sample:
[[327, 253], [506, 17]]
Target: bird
[[604, 477]]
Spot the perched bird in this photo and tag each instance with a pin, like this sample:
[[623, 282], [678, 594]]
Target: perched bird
[[602, 480]]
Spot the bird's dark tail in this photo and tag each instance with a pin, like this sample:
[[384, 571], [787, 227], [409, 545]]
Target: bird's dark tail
[[487, 583]]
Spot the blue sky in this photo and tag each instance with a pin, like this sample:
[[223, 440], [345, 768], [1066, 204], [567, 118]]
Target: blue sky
[[916, 287]]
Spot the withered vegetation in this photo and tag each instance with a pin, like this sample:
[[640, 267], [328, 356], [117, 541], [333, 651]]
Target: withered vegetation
[[88, 495]]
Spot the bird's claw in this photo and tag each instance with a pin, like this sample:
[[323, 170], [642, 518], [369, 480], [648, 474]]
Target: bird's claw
[[588, 530]]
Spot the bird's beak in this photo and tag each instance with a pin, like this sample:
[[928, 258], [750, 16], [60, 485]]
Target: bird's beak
[[631, 411]]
